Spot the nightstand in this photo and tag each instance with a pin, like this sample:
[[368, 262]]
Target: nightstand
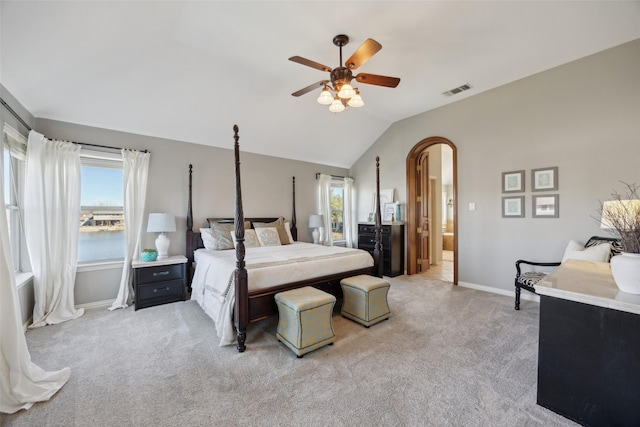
[[159, 282]]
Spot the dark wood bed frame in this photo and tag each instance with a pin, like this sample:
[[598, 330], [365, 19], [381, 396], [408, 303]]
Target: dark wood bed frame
[[252, 306]]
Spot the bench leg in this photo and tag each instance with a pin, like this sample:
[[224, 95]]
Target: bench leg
[[518, 290]]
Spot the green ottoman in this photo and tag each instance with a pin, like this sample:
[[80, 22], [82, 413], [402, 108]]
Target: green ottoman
[[365, 299], [305, 322]]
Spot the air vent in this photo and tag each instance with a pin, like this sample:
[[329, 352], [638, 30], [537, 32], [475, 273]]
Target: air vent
[[457, 90]]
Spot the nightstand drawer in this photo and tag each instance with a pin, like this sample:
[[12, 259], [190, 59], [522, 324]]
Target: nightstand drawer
[[159, 273], [174, 288]]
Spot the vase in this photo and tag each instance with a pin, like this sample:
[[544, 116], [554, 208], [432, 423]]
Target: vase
[[625, 269]]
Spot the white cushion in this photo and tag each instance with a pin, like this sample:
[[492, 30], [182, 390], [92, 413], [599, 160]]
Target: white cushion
[[250, 239], [598, 253], [287, 227], [268, 236], [208, 239]]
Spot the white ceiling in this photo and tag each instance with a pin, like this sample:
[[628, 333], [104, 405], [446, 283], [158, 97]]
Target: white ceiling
[[189, 71]]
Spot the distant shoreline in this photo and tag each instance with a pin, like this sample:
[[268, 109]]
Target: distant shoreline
[[103, 228]]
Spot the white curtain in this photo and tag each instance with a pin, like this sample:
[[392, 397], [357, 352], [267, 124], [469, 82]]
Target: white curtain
[[135, 165], [324, 204], [348, 214], [52, 219], [22, 383]]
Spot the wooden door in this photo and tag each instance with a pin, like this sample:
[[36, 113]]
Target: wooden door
[[422, 192]]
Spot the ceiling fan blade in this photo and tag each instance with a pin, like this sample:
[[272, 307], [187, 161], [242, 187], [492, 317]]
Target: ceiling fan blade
[[374, 79], [366, 50], [310, 87], [309, 63]]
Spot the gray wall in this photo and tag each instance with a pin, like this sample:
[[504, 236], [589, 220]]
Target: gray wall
[[583, 117], [266, 189]]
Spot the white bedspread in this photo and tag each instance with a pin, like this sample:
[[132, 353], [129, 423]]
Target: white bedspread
[[213, 287]]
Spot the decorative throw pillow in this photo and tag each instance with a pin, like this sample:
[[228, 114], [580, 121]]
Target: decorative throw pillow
[[221, 235], [598, 253], [207, 238], [279, 225], [268, 236], [287, 226], [250, 238]]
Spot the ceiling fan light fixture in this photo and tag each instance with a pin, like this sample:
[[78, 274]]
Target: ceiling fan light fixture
[[336, 106], [325, 97], [346, 91], [356, 100]]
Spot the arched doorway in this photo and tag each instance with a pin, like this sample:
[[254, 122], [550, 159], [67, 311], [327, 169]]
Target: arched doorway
[[420, 199]]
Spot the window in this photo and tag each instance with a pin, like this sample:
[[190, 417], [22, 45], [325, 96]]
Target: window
[[337, 210], [101, 209], [11, 169]]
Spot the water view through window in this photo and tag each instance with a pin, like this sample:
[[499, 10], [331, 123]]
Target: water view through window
[[101, 215]]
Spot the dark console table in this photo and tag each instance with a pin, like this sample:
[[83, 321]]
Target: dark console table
[[589, 347]]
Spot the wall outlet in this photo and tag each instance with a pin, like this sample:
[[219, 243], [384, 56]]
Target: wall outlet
[[472, 206]]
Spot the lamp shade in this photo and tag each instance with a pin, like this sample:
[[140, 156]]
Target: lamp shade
[[161, 223], [316, 221]]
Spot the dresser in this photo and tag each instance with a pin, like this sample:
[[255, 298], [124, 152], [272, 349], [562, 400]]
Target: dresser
[[589, 346], [159, 282], [392, 235]]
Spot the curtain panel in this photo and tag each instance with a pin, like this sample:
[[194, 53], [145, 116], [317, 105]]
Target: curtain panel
[[324, 204], [135, 165], [52, 218], [22, 383]]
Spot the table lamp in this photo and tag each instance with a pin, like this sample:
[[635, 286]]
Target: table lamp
[[315, 222], [161, 223]]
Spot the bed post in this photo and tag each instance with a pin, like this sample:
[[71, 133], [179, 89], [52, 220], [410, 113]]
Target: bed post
[[241, 313], [377, 251], [189, 246], [294, 229]]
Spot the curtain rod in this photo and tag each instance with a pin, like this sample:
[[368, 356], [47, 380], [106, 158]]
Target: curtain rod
[[332, 176], [17, 116]]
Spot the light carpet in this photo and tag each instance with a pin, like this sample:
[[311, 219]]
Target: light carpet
[[448, 356]]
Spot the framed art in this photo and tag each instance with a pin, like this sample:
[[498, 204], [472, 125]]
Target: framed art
[[513, 182], [546, 206], [544, 179], [513, 207], [389, 212], [386, 196]]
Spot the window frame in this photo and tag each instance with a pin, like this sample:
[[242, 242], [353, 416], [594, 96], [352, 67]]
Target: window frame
[[16, 184], [105, 160]]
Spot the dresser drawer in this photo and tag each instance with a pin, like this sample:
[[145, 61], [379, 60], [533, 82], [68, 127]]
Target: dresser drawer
[[367, 228], [174, 288], [159, 273], [369, 241]]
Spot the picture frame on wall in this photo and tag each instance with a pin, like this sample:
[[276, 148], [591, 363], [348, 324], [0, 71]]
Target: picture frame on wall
[[546, 206], [513, 182], [513, 207], [544, 179]]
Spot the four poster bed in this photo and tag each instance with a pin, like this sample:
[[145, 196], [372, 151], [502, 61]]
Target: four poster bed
[[235, 292]]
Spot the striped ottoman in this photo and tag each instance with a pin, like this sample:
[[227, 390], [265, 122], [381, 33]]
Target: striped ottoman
[[305, 322], [365, 299]]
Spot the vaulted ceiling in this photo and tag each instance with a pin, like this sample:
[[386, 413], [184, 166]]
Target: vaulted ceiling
[[189, 71]]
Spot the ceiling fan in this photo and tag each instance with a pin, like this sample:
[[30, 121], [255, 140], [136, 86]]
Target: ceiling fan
[[344, 94]]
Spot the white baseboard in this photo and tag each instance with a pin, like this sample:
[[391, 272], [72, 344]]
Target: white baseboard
[[523, 296], [97, 304]]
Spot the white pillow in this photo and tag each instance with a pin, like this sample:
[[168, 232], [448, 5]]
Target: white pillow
[[208, 239], [597, 253], [250, 239], [268, 236], [287, 227]]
